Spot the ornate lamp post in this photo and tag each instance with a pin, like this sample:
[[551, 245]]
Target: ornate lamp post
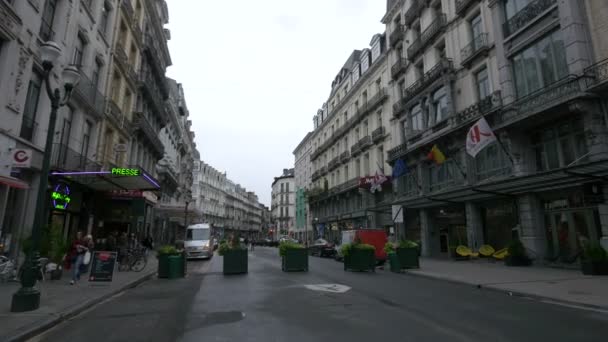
[[27, 298]]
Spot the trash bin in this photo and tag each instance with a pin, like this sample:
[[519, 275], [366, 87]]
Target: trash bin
[[175, 266], [394, 262]]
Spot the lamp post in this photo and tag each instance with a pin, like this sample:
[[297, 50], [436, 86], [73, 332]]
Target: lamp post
[[27, 298]]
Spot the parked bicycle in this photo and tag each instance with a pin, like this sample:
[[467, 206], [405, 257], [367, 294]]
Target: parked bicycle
[[8, 271], [135, 260]]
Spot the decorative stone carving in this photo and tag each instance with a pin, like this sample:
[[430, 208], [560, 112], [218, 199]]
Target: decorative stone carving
[[24, 58]]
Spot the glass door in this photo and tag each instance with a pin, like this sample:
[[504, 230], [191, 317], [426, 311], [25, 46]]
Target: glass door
[[568, 232]]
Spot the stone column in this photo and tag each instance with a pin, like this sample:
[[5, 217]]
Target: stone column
[[532, 220], [507, 87], [474, 226], [596, 132], [574, 33]]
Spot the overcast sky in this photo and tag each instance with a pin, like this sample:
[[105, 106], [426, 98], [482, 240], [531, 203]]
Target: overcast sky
[[255, 73]]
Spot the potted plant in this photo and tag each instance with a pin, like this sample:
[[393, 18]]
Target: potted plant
[[166, 268], [235, 257], [393, 260], [517, 254], [407, 253], [594, 260], [359, 257], [294, 257]]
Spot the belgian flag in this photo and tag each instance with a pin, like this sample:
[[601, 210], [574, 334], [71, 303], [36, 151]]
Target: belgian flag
[[436, 155]]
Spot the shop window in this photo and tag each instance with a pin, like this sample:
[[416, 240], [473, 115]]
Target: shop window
[[560, 146], [492, 161]]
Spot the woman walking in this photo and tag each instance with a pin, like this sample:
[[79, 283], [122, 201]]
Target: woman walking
[[78, 250]]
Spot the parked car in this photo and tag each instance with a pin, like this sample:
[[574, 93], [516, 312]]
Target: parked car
[[322, 248]]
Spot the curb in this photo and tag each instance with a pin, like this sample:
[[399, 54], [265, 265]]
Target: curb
[[550, 300], [49, 323]]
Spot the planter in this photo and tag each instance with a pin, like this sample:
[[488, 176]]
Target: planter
[[594, 267], [408, 257], [169, 266], [393, 261], [360, 260], [513, 260], [235, 261], [295, 260]]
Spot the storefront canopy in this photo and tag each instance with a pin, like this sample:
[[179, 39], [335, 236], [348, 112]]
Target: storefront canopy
[[114, 179], [13, 182]]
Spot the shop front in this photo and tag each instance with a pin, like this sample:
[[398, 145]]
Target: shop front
[[451, 226], [499, 221]]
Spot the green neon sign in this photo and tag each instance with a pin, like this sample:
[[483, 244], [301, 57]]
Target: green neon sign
[[120, 171], [61, 196]]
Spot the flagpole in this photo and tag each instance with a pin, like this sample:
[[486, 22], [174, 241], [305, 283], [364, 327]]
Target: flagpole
[[502, 146]]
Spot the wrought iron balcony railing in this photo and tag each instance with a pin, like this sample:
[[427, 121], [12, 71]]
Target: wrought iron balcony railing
[[137, 33], [463, 5], [398, 108], [398, 68], [376, 100], [397, 35], [378, 134], [65, 158], [427, 36], [344, 156], [334, 163], [142, 125], [413, 12], [476, 47], [89, 95], [355, 149], [597, 74], [486, 105], [526, 15], [397, 152], [444, 66], [364, 142]]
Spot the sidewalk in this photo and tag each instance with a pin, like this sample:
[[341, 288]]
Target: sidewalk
[[552, 284], [60, 301]]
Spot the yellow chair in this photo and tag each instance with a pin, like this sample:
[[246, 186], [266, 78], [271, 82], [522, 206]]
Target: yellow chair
[[486, 251], [463, 251], [501, 254]]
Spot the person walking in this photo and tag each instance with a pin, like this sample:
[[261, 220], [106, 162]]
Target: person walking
[[78, 250]]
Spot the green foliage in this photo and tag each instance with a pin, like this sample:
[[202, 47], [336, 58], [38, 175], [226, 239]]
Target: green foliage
[[595, 253], [347, 248], [225, 247], [58, 246], [168, 250], [47, 235], [389, 247], [516, 249], [284, 246], [407, 244]]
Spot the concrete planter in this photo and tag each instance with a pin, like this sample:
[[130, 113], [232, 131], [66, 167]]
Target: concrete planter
[[594, 267], [517, 260], [360, 260], [295, 260], [408, 257], [235, 261], [171, 266]]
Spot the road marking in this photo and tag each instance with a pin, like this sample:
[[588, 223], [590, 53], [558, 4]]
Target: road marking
[[333, 288]]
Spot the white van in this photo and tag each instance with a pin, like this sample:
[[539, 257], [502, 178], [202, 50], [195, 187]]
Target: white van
[[199, 242]]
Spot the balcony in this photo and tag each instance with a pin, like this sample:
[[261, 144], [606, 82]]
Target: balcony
[[526, 15], [445, 66], [28, 128], [344, 157], [484, 106], [398, 68], [376, 100], [153, 51], [365, 142], [398, 108], [149, 85], [137, 33], [66, 159], [427, 36], [597, 76], [323, 171], [413, 12], [397, 152], [334, 163], [477, 47], [123, 60], [87, 93], [315, 175], [397, 35], [378, 134], [463, 5], [355, 149], [127, 8], [142, 125], [114, 113]]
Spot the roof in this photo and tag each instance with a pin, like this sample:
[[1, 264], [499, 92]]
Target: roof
[[302, 142]]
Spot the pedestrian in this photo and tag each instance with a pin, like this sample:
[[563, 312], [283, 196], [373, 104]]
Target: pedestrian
[[111, 244], [148, 242], [77, 252], [123, 244]]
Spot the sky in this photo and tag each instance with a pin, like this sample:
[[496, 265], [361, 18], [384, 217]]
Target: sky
[[256, 72]]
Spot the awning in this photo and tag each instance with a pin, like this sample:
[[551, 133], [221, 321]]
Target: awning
[[13, 182], [114, 179]]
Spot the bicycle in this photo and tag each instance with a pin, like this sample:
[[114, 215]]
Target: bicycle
[[8, 272], [135, 260]]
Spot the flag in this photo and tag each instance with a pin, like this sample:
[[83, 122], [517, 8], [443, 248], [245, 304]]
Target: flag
[[377, 182], [479, 136], [436, 155], [400, 168]]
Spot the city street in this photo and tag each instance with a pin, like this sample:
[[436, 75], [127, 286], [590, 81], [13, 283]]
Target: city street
[[270, 305]]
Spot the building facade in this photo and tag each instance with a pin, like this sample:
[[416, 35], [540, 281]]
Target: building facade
[[303, 182], [283, 204], [530, 68], [349, 144]]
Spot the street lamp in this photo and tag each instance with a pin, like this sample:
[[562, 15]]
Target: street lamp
[[27, 298]]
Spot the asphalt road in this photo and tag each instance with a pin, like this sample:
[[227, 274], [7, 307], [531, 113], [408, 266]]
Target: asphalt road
[[269, 305]]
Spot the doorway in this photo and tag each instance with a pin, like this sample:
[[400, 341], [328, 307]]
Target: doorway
[[568, 231]]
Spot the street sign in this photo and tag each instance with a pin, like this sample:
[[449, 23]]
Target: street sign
[[397, 213], [21, 157], [102, 266]]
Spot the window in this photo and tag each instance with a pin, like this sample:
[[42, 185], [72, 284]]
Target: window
[[476, 31], [86, 137], [416, 118], [492, 161], [358, 168], [483, 84], [345, 117], [127, 102], [559, 146], [444, 175], [28, 124], [345, 173], [440, 105], [379, 119], [48, 16], [96, 73], [356, 134], [366, 165], [514, 6], [282, 187], [381, 157], [365, 128], [540, 64], [287, 187], [79, 47]]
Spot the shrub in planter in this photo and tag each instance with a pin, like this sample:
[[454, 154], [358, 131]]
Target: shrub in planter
[[235, 257], [594, 260], [517, 254], [359, 257], [408, 252], [294, 256], [163, 255]]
